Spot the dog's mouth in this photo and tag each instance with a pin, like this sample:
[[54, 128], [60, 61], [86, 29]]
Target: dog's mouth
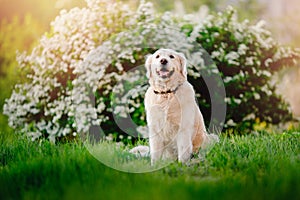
[[164, 73]]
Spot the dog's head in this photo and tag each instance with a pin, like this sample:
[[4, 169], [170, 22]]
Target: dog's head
[[166, 63]]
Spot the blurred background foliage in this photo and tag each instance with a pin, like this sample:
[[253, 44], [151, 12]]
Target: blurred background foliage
[[22, 22], [17, 34], [249, 9]]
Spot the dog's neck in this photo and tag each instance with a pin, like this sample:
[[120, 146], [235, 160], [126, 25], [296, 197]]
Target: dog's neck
[[163, 88], [168, 91]]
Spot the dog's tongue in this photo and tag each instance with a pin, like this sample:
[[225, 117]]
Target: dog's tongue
[[164, 73]]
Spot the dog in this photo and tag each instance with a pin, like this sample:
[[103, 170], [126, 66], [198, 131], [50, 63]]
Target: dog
[[175, 123]]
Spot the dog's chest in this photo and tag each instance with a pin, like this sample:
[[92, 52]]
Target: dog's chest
[[170, 115], [170, 106]]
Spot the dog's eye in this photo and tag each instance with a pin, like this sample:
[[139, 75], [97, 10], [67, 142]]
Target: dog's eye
[[157, 57], [172, 57]]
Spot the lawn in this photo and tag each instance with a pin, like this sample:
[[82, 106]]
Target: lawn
[[264, 166]]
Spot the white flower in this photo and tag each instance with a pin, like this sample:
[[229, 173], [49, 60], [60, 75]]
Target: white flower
[[256, 96], [232, 56], [251, 116], [268, 61], [237, 101], [143, 130], [242, 49], [215, 54], [109, 138], [249, 61], [230, 122]]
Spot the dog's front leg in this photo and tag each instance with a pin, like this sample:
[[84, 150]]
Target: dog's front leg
[[186, 130], [156, 147], [184, 145], [155, 120]]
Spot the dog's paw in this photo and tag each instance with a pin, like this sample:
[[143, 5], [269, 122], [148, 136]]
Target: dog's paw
[[140, 151]]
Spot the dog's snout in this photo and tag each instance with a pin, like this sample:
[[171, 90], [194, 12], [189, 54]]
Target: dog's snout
[[163, 61]]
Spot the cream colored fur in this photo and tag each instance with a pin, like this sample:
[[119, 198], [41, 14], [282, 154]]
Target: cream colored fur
[[176, 126]]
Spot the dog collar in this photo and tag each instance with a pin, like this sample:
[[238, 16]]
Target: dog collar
[[168, 91]]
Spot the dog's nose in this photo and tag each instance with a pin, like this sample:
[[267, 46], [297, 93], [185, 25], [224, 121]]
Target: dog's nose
[[163, 61]]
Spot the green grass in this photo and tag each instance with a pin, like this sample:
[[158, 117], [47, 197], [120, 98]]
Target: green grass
[[239, 167]]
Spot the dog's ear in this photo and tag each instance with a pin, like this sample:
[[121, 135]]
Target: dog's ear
[[183, 69], [148, 66]]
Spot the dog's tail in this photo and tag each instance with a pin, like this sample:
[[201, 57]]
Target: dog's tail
[[210, 140]]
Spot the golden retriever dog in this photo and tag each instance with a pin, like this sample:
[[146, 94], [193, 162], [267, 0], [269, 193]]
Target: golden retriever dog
[[175, 123]]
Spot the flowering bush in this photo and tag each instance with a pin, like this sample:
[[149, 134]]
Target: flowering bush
[[85, 72], [43, 105], [247, 58]]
